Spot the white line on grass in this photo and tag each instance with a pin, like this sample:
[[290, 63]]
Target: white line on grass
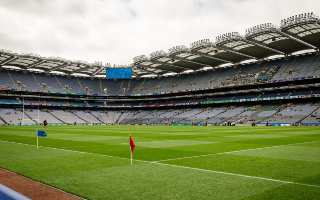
[[229, 152], [178, 166], [240, 175], [69, 150]]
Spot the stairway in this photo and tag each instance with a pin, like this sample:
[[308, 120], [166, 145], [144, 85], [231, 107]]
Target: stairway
[[96, 118], [26, 114], [118, 119], [80, 117], [308, 114], [280, 108], [57, 118], [1, 119]]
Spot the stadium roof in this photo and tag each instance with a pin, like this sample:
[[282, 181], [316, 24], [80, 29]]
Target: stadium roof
[[296, 33], [38, 63]]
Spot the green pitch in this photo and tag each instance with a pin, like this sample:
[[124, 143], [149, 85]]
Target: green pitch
[[234, 163]]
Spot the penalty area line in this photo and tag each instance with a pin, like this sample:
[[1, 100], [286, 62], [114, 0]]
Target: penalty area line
[[177, 166]]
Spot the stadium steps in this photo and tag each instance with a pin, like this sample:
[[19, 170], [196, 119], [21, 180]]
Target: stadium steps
[[280, 108], [33, 120], [96, 118], [191, 116], [4, 121], [254, 116], [165, 119], [111, 117], [217, 115], [119, 117], [230, 119], [53, 115], [83, 119], [203, 110], [173, 117], [316, 109]]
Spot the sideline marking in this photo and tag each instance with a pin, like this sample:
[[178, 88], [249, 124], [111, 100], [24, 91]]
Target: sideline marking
[[181, 166]]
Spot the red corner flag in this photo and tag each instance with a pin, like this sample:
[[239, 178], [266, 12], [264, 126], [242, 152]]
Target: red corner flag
[[132, 144], [132, 147]]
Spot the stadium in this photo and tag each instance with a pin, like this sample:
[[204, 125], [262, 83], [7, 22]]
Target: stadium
[[232, 118]]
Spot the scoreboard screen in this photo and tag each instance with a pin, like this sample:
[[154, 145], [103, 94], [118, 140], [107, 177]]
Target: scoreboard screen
[[119, 73]]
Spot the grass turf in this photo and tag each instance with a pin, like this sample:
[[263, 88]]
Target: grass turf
[[171, 162]]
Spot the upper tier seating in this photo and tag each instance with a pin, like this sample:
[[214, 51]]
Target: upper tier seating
[[307, 66]]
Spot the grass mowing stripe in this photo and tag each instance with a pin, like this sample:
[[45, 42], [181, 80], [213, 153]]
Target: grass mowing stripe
[[180, 166], [227, 152]]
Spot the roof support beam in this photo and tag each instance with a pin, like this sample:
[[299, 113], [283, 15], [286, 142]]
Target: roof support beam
[[98, 70], [36, 64], [190, 61], [299, 40], [58, 67], [265, 47], [237, 52], [212, 57], [146, 69], [8, 60], [166, 63], [80, 68]]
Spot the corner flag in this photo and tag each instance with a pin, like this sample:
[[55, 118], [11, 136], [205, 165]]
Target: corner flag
[[40, 133], [132, 147]]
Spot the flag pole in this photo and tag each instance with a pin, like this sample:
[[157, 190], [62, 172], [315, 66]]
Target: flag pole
[[37, 141], [131, 159]]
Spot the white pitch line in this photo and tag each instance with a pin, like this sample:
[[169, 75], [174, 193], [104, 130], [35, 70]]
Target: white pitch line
[[68, 150], [240, 175], [229, 152], [179, 166]]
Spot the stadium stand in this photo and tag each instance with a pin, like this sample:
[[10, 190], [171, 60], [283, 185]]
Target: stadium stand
[[41, 115], [67, 117], [292, 69], [313, 118], [292, 114], [264, 77]]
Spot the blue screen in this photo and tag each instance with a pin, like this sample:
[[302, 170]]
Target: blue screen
[[119, 73]]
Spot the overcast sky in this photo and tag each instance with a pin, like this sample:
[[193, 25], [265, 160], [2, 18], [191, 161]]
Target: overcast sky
[[115, 31]]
